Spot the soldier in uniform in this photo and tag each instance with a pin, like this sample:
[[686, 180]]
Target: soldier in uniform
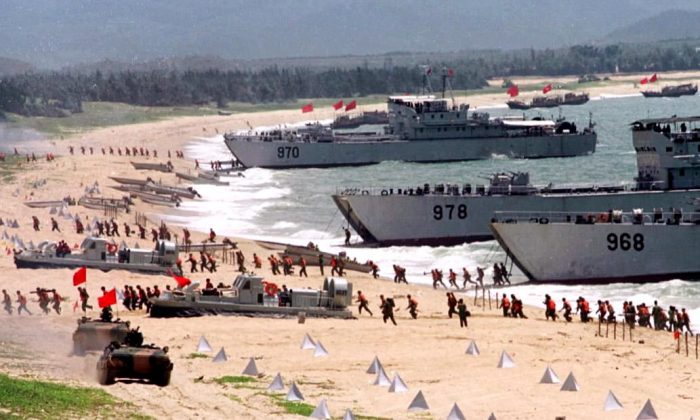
[[387, 307], [54, 225], [7, 302], [35, 221], [347, 236], [463, 313], [56, 299], [412, 307], [362, 300], [193, 264], [320, 263], [302, 270], [22, 301], [84, 299]]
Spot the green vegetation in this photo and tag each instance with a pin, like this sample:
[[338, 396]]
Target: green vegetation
[[46, 400], [11, 165], [299, 408], [197, 356], [235, 380]]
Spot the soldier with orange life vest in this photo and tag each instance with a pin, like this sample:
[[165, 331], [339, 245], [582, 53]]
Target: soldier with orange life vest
[[334, 265], [611, 312], [583, 308], [193, 264], [516, 307], [466, 277], [566, 307], [602, 311], [56, 299], [550, 308], [505, 305], [362, 300], [256, 261], [7, 302], [387, 308], [22, 301], [451, 304], [452, 277]]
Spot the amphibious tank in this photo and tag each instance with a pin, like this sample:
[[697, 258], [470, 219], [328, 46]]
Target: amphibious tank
[[95, 334], [134, 360]]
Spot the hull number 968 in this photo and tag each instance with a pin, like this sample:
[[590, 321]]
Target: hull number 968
[[449, 212], [287, 152], [625, 242]]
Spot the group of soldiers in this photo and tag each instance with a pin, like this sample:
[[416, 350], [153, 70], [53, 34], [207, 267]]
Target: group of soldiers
[[137, 298], [387, 306], [47, 298], [133, 151], [206, 262]]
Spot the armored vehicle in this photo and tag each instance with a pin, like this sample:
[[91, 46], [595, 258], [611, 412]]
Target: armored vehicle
[[134, 360], [95, 334]]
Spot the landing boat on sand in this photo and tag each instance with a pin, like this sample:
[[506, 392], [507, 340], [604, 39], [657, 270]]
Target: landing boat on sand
[[251, 295]]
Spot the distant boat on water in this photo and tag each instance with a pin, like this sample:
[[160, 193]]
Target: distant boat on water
[[686, 89], [570, 98]]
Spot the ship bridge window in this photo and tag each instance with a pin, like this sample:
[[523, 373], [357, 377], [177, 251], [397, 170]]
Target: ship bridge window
[[432, 115], [669, 149], [441, 115], [682, 172], [420, 129], [246, 286]]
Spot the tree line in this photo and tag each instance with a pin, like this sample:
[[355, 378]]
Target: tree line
[[62, 93]]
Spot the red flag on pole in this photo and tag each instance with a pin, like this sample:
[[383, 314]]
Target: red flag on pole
[[547, 88], [338, 105], [307, 108], [108, 299], [352, 105], [181, 281], [653, 78], [513, 91], [644, 81], [80, 276], [450, 72]]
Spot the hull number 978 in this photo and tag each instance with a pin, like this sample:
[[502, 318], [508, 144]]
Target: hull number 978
[[625, 242], [449, 212], [287, 152]]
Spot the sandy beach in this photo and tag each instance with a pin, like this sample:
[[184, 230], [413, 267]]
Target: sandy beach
[[428, 353]]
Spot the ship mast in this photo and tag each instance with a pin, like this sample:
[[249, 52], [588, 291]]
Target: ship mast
[[446, 84]]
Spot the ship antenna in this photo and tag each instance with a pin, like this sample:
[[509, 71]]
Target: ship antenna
[[446, 84], [427, 71]]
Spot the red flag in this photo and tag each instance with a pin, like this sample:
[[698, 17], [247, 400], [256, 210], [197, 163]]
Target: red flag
[[182, 281], [352, 105], [644, 81], [338, 105], [307, 108], [450, 72], [80, 276], [653, 78], [108, 299], [547, 88], [513, 91]]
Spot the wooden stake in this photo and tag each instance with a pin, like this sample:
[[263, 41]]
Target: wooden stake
[[615, 331], [623, 330], [607, 328], [686, 344], [631, 328], [696, 346], [476, 294], [599, 335], [483, 298], [489, 299]]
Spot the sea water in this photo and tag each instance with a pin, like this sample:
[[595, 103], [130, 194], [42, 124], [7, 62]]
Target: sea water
[[295, 205]]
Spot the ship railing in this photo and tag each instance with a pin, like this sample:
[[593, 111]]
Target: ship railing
[[658, 216]]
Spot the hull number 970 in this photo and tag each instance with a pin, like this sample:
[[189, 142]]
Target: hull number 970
[[625, 242], [449, 212], [287, 152]]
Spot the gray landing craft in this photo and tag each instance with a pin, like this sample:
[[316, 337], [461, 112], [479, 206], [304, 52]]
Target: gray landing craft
[[601, 248], [668, 166], [421, 129]]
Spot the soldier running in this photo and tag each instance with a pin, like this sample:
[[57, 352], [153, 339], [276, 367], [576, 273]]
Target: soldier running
[[84, 299], [56, 299], [463, 313], [7, 302], [412, 306], [387, 308], [22, 301], [362, 300], [302, 270], [566, 307], [54, 225]]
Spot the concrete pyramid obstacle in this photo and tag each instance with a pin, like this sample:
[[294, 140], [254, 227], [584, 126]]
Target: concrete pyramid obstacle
[[123, 245], [308, 343], [611, 402], [456, 413], [320, 351], [570, 383], [294, 394], [5, 236], [15, 224], [473, 349], [120, 295], [375, 366], [220, 356], [251, 369], [137, 246], [321, 411], [348, 415], [418, 403], [53, 210], [60, 212], [648, 412], [506, 362], [277, 384], [549, 377], [397, 384], [382, 379], [492, 417], [203, 345]]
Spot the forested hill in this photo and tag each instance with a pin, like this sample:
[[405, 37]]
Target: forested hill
[[57, 33], [672, 24], [9, 66]]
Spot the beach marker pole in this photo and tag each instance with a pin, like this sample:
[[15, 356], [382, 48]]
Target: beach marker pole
[[476, 294], [607, 328], [686, 344], [489, 299], [483, 299], [696, 346], [615, 331], [623, 330], [631, 328], [599, 334], [678, 345]]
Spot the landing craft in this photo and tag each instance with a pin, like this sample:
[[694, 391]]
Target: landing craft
[[668, 177]]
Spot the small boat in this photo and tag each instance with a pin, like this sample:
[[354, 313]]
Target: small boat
[[153, 188], [572, 98], [311, 255], [686, 89], [162, 167], [252, 295], [515, 104], [100, 203], [43, 204], [369, 117], [156, 201], [98, 253], [130, 181], [200, 179]]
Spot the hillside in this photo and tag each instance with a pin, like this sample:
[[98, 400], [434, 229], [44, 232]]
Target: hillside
[[49, 34], [9, 66], [672, 24]]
